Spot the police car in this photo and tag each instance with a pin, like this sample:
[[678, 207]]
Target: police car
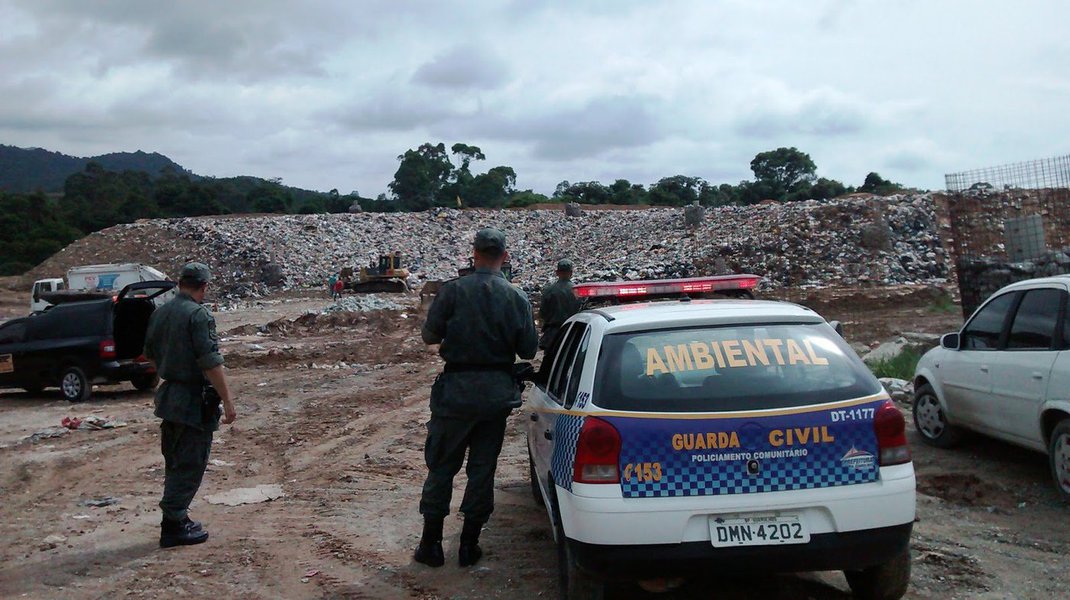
[[679, 437]]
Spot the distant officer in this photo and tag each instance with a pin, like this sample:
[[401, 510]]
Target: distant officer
[[181, 341], [482, 323], [558, 303]]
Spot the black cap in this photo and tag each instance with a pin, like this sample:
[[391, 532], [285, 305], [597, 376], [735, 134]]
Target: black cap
[[564, 265]]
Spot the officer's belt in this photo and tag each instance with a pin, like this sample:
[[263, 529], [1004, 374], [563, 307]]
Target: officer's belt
[[474, 367]]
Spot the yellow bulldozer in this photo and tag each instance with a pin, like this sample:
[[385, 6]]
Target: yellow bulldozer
[[386, 277]]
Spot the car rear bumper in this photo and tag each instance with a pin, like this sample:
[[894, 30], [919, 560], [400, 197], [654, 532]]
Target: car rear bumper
[[122, 371], [824, 552]]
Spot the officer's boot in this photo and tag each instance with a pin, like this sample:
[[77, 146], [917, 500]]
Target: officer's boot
[[193, 525], [181, 533], [469, 552], [429, 552]]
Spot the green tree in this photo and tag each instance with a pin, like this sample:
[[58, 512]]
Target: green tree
[[423, 173], [625, 192], [782, 171], [875, 184], [678, 190]]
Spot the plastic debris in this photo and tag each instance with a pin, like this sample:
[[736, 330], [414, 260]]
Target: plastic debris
[[99, 502], [253, 495]]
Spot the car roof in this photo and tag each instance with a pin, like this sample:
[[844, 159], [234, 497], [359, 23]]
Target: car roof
[[665, 314], [1040, 281]]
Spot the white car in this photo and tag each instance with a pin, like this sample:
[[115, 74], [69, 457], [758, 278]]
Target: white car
[[1006, 375], [693, 436]]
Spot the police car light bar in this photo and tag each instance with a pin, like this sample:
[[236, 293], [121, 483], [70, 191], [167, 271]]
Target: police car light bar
[[654, 287]]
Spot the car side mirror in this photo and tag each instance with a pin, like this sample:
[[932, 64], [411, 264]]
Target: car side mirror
[[837, 326], [950, 341]]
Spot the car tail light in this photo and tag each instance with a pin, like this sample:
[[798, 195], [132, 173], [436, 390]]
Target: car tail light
[[597, 453], [891, 435], [107, 349]]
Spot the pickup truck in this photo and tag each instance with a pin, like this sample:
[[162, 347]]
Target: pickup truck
[[105, 279], [77, 344]]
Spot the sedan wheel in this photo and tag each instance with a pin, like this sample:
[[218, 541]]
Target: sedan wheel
[[930, 420], [1059, 454], [75, 385]]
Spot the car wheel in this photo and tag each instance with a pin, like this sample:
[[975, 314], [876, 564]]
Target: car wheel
[[930, 420], [145, 383], [1059, 456], [888, 581], [536, 492], [573, 583], [75, 385]]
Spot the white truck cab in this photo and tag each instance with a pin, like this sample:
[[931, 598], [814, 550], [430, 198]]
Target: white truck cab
[[105, 278], [683, 437]]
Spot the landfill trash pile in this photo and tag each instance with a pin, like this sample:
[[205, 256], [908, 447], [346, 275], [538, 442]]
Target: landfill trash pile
[[362, 303], [847, 241]]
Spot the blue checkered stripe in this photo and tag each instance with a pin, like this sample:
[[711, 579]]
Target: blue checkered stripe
[[566, 435], [823, 466]]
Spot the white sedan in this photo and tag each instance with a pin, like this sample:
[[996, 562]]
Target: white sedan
[[1006, 375]]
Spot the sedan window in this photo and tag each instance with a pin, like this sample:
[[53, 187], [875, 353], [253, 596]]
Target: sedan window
[[1034, 323], [984, 330]]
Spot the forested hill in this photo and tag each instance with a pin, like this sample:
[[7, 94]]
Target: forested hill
[[32, 169]]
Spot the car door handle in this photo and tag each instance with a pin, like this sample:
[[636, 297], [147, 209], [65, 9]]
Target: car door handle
[[534, 416], [1038, 376], [546, 434], [984, 369]]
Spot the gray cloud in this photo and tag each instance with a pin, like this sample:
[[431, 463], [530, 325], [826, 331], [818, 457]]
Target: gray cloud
[[820, 114], [464, 67]]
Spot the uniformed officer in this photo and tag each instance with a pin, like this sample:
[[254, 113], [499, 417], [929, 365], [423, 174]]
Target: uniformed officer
[[182, 342], [482, 323], [558, 303]]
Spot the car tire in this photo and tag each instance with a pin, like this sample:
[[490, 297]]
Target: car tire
[[536, 492], [573, 583], [144, 383], [74, 384], [888, 581], [1059, 457], [930, 420]]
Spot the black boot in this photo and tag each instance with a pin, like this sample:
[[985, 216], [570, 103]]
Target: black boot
[[181, 533], [469, 552], [193, 525], [429, 552]]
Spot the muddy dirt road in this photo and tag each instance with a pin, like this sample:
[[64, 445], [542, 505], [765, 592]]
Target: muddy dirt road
[[332, 408]]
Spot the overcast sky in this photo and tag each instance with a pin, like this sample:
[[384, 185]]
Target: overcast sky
[[327, 94]]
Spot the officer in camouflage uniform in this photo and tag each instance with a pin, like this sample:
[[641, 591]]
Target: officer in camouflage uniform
[[558, 303], [482, 323], [181, 341]]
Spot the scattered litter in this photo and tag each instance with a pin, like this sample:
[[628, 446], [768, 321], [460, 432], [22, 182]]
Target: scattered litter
[[309, 574], [99, 502], [81, 517], [92, 423], [44, 434], [220, 463], [253, 495], [52, 541]]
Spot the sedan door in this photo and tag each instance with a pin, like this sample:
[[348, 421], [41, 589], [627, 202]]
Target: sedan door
[[12, 353], [1021, 372], [966, 377]]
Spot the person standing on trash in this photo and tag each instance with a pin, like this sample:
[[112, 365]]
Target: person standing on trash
[[558, 303], [330, 285], [182, 344], [481, 323]]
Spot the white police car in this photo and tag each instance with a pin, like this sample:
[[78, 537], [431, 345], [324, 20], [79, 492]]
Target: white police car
[[673, 438]]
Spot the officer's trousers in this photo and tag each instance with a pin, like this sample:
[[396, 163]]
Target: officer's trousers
[[185, 457], [447, 440]]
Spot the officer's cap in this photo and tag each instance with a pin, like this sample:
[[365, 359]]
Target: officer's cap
[[490, 240], [196, 272], [564, 265]]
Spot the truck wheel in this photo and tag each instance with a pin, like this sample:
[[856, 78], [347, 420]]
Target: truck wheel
[[1059, 456], [75, 385], [930, 420], [145, 383], [573, 584], [888, 581], [536, 493]]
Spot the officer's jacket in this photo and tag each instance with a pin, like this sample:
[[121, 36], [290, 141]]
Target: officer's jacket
[[481, 322], [559, 302], [182, 341]]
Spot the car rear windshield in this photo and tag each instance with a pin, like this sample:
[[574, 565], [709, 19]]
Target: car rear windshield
[[730, 368]]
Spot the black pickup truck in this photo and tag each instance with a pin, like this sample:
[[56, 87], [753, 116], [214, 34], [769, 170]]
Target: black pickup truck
[[76, 344]]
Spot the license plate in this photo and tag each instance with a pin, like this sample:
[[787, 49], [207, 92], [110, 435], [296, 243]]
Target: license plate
[[7, 365], [758, 530]]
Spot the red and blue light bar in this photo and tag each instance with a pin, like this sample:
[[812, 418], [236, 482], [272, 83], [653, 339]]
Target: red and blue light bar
[[658, 287]]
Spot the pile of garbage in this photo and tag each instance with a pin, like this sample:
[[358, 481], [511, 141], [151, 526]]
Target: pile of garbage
[[847, 241], [363, 303]]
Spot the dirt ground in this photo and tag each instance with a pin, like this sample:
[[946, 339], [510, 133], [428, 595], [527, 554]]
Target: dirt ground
[[332, 408]]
